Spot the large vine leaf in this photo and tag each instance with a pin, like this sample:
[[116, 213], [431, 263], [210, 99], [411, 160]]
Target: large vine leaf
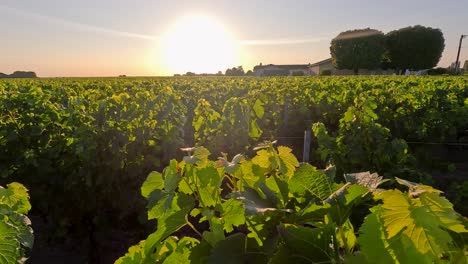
[[308, 178], [209, 182], [421, 220], [443, 210], [9, 244], [16, 233], [22, 225]]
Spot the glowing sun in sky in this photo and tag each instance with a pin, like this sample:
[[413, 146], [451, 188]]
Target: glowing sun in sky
[[198, 44]]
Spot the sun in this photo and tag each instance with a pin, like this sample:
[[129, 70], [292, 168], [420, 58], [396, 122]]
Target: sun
[[198, 44]]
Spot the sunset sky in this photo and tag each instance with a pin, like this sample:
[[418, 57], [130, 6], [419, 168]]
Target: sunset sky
[[162, 37]]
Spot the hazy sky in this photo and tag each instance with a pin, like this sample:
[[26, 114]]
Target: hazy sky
[[112, 37]]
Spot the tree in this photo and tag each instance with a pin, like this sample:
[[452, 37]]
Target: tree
[[358, 49], [415, 48], [235, 71]]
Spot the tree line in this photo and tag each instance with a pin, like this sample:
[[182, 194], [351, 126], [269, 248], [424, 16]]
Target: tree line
[[234, 71], [413, 48], [19, 74]]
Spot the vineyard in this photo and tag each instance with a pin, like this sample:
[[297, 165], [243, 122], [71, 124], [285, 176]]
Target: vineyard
[[84, 149]]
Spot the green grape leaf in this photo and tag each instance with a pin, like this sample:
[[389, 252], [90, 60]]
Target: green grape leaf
[[258, 108], [166, 226], [184, 187], [443, 210], [312, 212], [185, 184], [199, 157], [253, 203], [288, 161], [345, 236], [344, 200], [232, 214], [372, 240], [409, 216], [9, 244], [405, 251], [310, 243], [209, 185], [217, 231], [170, 222], [154, 181], [230, 167], [171, 176], [178, 251], [22, 225], [249, 174], [262, 159], [349, 115], [276, 190], [347, 195], [198, 122], [159, 203], [255, 131], [135, 255], [16, 197], [307, 178]]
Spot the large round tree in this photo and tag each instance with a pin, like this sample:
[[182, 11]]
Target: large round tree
[[415, 48], [358, 49]]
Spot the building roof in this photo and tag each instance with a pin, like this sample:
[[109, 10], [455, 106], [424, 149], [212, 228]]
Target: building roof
[[322, 62], [284, 67]]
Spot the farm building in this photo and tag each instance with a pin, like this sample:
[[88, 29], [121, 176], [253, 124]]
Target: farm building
[[327, 65], [317, 68]]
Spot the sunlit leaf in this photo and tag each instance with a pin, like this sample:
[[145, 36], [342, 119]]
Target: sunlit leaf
[[154, 181]]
